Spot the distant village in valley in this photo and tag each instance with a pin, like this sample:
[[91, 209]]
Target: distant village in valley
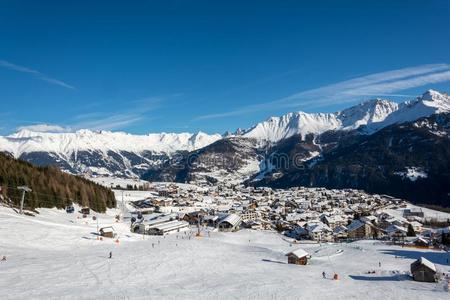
[[299, 213]]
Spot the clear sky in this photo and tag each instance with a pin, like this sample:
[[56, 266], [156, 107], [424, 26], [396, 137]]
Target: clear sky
[[173, 66]]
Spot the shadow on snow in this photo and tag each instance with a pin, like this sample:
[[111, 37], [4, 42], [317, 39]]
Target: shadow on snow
[[380, 278], [441, 258]]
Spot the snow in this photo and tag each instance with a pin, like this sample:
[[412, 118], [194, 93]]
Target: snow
[[427, 263], [428, 213], [412, 173], [67, 143], [56, 255], [373, 114], [114, 181], [299, 253]]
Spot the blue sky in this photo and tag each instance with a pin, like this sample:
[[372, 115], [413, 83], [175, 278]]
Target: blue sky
[[178, 66]]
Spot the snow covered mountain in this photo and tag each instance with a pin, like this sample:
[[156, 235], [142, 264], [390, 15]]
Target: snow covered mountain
[[371, 115], [26, 141], [101, 152], [127, 155]]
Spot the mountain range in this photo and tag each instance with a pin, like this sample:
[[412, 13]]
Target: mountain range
[[378, 132]]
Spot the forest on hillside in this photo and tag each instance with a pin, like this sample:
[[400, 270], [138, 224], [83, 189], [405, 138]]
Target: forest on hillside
[[50, 187]]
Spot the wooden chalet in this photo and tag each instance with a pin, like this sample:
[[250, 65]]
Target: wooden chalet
[[423, 270], [298, 257]]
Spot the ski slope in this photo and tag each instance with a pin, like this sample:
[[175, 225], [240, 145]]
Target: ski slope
[[56, 256]]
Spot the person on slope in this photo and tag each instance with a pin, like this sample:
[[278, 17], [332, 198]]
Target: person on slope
[[324, 275], [110, 254]]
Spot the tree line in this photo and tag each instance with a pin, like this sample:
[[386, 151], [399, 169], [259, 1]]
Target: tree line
[[50, 187]]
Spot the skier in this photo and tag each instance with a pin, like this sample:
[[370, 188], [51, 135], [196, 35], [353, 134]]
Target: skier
[[379, 264], [324, 275], [110, 254]]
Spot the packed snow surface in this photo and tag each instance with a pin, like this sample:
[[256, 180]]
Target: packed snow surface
[[55, 255]]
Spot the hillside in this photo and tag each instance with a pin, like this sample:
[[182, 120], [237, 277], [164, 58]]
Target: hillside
[[101, 152], [50, 186], [409, 160]]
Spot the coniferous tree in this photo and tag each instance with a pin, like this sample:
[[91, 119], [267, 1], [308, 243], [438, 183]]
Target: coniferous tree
[[410, 231]]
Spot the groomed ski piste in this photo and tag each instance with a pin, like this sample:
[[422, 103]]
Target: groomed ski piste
[[56, 255]]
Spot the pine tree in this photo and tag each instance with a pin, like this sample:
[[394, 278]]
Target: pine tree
[[410, 231]]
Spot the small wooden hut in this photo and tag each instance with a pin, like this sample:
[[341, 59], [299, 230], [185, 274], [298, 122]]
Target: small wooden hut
[[423, 270], [107, 232], [298, 257]]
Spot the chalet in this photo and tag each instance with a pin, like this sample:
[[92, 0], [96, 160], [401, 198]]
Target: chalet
[[337, 220], [192, 217], [107, 232], [297, 232], [423, 270], [210, 220], [162, 202], [249, 216], [230, 223], [396, 232], [360, 230], [417, 226], [319, 232], [340, 232], [298, 257], [420, 242]]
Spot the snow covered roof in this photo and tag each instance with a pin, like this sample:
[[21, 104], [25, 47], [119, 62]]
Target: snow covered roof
[[107, 229], [355, 225], [340, 229], [298, 253], [395, 228], [233, 219], [427, 263]]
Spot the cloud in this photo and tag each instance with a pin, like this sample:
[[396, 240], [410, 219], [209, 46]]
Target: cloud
[[131, 112], [136, 111], [378, 84], [37, 74], [44, 128]]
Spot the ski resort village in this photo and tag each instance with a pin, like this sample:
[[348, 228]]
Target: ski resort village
[[267, 150], [171, 240]]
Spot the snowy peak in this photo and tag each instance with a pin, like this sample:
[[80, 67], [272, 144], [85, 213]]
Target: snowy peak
[[277, 128], [366, 113], [372, 114], [432, 98], [25, 141], [431, 102]]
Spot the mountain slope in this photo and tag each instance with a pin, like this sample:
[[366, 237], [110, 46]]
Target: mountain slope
[[101, 152], [372, 115], [409, 160], [229, 160], [50, 186]]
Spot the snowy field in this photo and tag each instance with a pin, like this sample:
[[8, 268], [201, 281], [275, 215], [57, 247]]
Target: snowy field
[[56, 255]]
